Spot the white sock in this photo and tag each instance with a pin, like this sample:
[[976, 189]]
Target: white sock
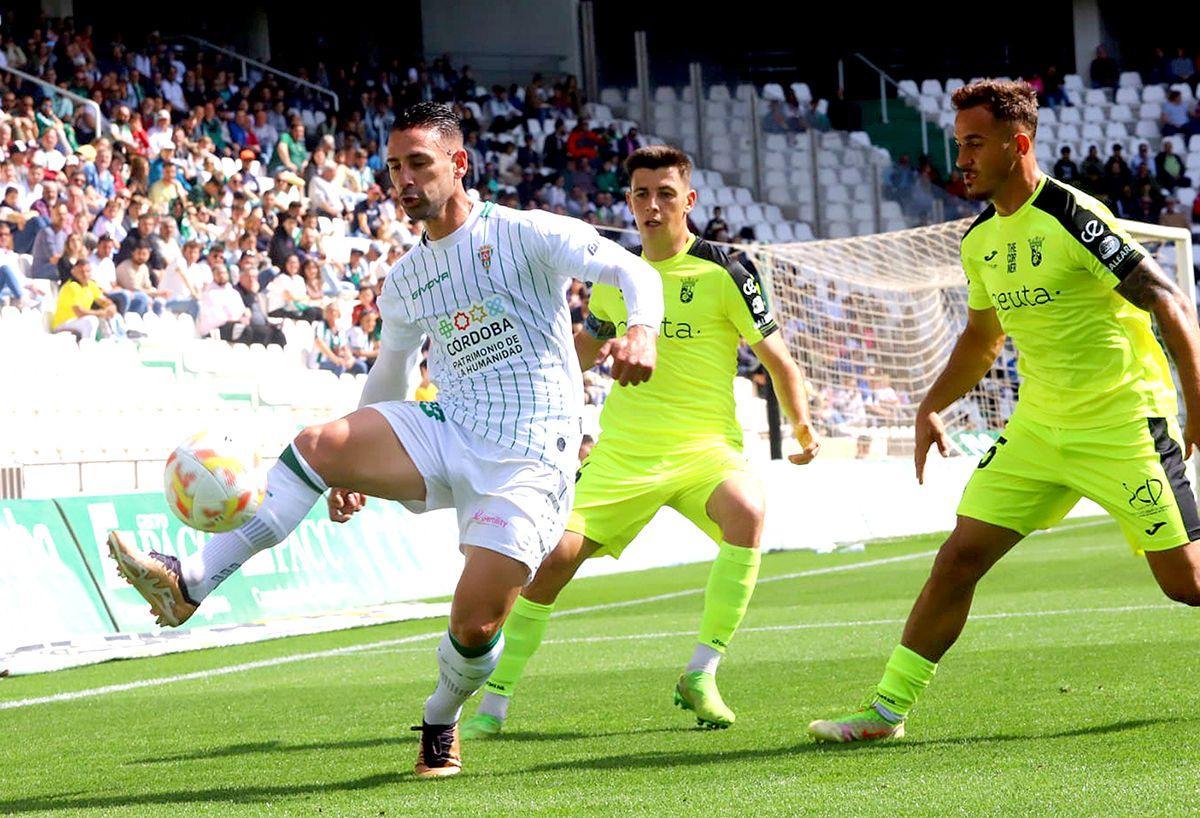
[[290, 497], [494, 705], [705, 659], [458, 678]]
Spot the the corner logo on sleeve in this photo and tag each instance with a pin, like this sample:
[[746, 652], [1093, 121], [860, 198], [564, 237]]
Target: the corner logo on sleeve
[[1092, 231], [1109, 247]]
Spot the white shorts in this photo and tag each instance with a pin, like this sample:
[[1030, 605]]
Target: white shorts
[[514, 505]]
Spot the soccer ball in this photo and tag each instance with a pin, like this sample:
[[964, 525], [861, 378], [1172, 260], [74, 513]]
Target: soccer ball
[[214, 483]]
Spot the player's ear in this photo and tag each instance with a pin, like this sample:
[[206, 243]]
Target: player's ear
[[1024, 143], [690, 201], [460, 161]]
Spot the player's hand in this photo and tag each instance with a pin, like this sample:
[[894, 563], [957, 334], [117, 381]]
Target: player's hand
[[344, 504], [634, 355], [930, 430], [809, 442]]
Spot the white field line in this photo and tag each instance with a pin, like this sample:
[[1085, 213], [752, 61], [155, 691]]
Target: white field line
[[853, 623], [391, 643]]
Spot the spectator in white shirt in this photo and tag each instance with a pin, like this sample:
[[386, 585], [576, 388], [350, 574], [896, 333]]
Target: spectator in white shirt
[[162, 134], [172, 91], [221, 307], [324, 195], [361, 340], [13, 285], [184, 279]]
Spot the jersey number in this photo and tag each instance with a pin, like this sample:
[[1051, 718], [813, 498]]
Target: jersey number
[[987, 458]]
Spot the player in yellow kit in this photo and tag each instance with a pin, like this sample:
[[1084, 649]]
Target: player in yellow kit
[[672, 441], [1050, 267]]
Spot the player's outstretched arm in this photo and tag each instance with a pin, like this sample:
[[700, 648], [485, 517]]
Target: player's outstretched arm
[[1147, 287], [972, 356], [788, 382]]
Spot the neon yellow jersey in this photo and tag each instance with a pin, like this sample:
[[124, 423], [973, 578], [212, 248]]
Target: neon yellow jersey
[[711, 299], [1086, 356]]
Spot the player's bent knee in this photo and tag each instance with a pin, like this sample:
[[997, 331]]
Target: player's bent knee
[[742, 521], [474, 631]]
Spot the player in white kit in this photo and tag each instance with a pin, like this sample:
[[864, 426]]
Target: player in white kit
[[487, 285]]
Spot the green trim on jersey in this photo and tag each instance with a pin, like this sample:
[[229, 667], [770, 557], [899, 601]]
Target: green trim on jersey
[[711, 300], [1086, 356]]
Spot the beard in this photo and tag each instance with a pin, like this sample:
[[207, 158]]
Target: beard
[[422, 210]]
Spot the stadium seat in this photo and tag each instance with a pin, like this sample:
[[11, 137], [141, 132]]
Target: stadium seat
[[744, 92], [908, 91], [773, 92], [612, 97], [1147, 129], [1073, 82], [836, 194], [864, 227], [719, 93], [802, 232], [1068, 133], [931, 88], [1130, 79], [1120, 113], [1177, 141], [862, 211], [852, 176], [774, 160], [780, 196], [754, 213], [802, 91], [839, 230], [1095, 114], [1094, 97], [1154, 93], [743, 196], [735, 215], [665, 93], [1127, 96], [836, 212], [1116, 132], [1184, 89], [764, 232], [1046, 116], [1070, 116], [1047, 134]]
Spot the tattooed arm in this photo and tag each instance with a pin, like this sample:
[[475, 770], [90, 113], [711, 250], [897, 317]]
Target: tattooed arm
[[1147, 287]]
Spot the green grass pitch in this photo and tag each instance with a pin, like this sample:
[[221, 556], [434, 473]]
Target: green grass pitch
[[1073, 692]]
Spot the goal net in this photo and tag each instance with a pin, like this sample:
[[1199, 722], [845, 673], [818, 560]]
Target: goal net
[[872, 321]]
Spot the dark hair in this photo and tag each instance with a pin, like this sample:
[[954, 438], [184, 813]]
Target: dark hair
[[143, 245], [655, 157], [434, 115], [1007, 100]]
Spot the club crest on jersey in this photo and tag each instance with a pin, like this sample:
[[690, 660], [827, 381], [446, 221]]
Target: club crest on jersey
[[1035, 250], [485, 256], [687, 289]]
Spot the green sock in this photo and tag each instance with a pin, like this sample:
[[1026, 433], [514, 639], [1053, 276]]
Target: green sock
[[906, 675], [730, 586], [523, 632]]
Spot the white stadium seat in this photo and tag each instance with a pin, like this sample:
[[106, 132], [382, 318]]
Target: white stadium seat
[[1130, 79], [931, 88]]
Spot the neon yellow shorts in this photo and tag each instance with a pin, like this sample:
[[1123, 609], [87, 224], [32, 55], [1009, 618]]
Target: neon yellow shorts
[[617, 495], [1035, 474]]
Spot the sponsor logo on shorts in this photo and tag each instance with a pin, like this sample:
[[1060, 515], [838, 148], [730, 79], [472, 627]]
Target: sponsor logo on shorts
[[1144, 494], [483, 518], [1144, 497]]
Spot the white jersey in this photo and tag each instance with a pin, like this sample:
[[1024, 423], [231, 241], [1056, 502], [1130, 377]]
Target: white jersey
[[491, 297]]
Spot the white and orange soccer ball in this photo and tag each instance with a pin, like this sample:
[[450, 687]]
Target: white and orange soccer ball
[[213, 483]]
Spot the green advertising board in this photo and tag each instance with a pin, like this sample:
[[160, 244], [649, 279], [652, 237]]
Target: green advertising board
[[46, 593], [383, 555]]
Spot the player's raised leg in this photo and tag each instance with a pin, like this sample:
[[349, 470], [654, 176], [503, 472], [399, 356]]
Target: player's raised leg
[[737, 507], [360, 452], [936, 620], [468, 653], [524, 630]]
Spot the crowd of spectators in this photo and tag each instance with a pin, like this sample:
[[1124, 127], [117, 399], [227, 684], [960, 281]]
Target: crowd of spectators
[[1141, 187], [242, 204]]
